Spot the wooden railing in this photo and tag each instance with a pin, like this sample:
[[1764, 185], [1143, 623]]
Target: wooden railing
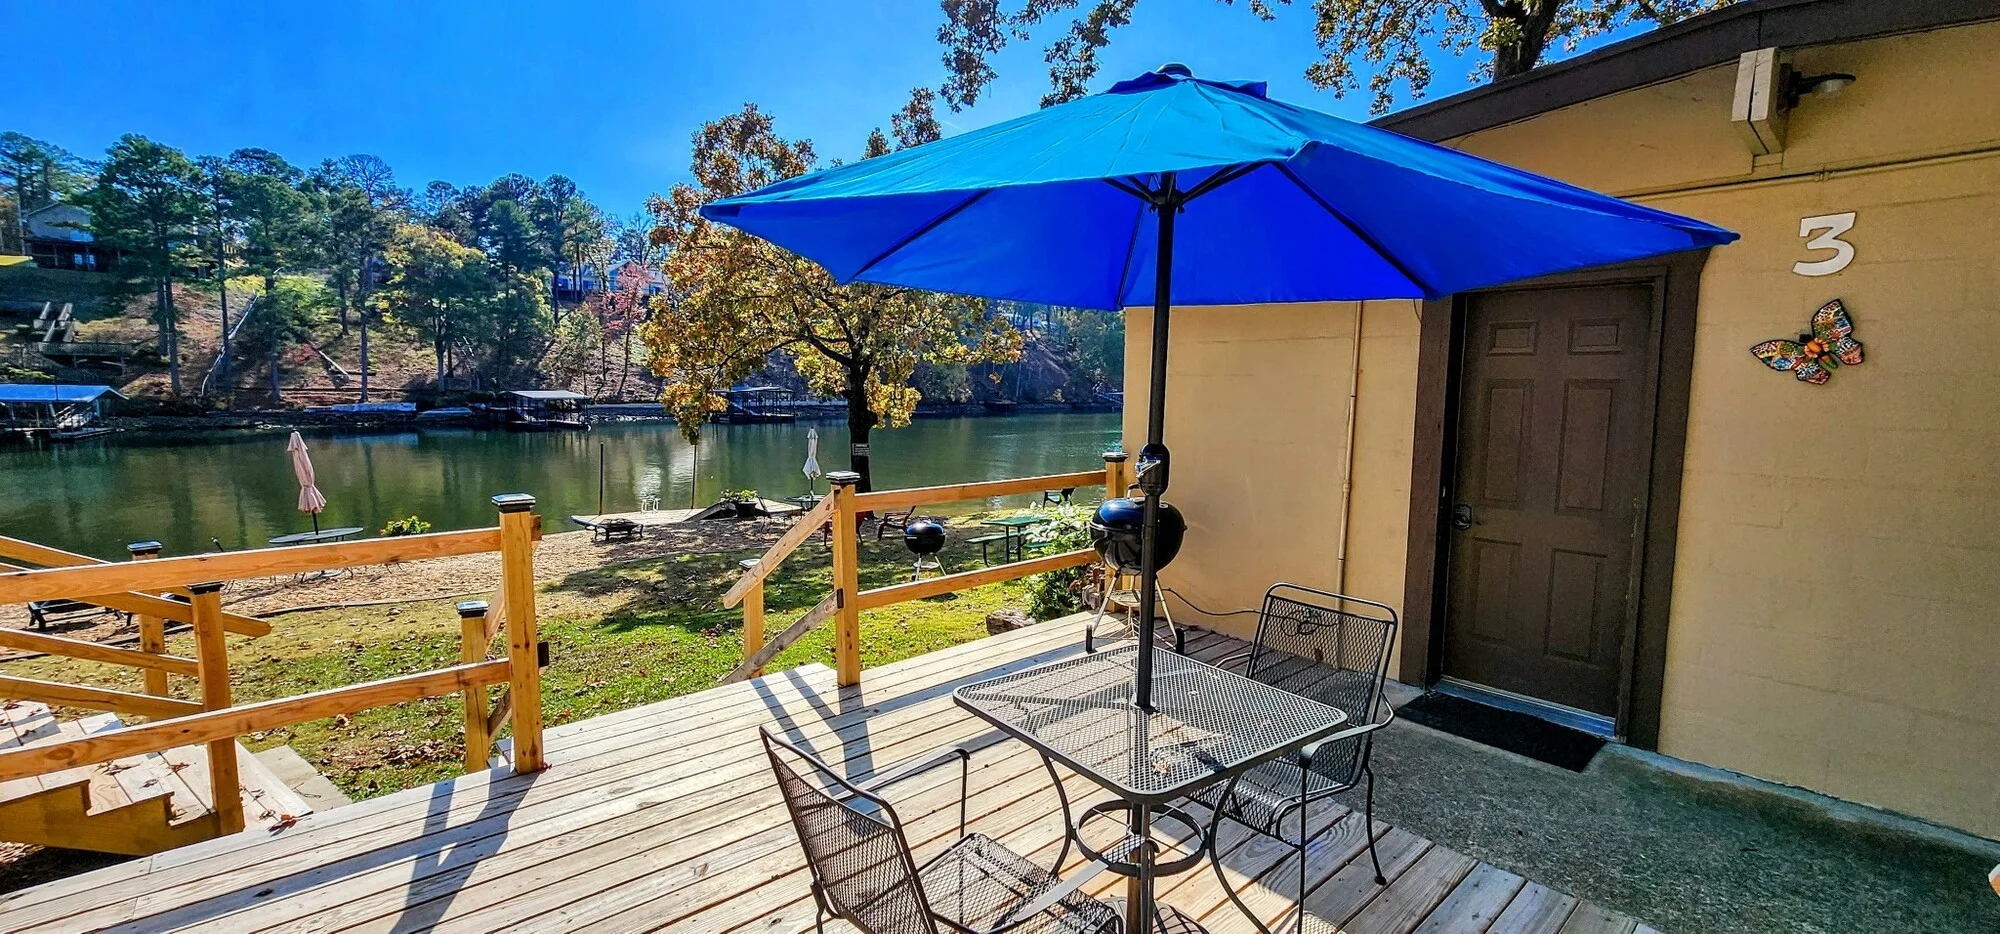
[[841, 510], [214, 719]]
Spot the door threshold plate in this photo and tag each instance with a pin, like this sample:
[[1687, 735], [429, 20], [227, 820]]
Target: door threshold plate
[[1580, 720]]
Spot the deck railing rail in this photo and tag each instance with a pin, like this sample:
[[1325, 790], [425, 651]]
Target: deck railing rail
[[842, 510], [193, 586]]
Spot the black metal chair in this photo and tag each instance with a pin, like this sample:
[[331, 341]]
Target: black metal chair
[[895, 520], [1333, 649], [863, 871]]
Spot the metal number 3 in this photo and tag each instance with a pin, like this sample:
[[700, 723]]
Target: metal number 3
[[1833, 226]]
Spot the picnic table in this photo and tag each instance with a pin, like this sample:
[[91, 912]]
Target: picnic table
[[1013, 536], [319, 537], [1208, 726]]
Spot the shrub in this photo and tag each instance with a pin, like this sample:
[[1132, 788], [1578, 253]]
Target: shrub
[[413, 525], [1060, 593]]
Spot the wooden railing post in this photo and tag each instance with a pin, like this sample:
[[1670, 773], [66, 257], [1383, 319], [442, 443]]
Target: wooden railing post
[[753, 615], [472, 646], [152, 629], [846, 578], [517, 593], [212, 657], [1114, 474]]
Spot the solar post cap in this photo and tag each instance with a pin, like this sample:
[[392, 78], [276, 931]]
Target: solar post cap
[[514, 502]]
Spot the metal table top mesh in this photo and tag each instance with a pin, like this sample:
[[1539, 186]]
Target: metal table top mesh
[[1207, 723]]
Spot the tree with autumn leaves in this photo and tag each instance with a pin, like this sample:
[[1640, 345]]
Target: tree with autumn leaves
[[1389, 42], [735, 300]]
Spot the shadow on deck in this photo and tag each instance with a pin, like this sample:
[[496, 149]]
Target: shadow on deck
[[665, 817]]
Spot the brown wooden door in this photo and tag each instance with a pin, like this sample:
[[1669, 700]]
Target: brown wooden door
[[1554, 441]]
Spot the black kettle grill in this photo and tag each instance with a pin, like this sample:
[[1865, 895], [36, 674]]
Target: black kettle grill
[[924, 538], [1115, 532]]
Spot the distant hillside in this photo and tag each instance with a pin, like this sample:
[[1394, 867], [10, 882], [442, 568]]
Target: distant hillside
[[1067, 358]]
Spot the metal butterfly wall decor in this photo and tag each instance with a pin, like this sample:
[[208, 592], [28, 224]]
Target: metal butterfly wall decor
[[1813, 357]]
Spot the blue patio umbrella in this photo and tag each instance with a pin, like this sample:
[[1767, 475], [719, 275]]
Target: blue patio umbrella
[[1169, 188]]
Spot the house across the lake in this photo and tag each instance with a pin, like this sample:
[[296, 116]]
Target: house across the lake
[[58, 237], [1588, 497]]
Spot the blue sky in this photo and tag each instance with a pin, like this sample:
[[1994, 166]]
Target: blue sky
[[466, 90]]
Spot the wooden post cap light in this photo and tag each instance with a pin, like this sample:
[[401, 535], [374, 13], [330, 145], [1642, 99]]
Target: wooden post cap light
[[1115, 457], [210, 587], [514, 502], [843, 478], [143, 548], [472, 608]]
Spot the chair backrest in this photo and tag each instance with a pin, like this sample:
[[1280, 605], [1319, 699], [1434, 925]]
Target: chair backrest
[[1331, 648], [861, 865]]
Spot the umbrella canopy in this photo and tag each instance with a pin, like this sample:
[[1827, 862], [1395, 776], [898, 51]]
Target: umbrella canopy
[[1278, 203], [811, 468], [310, 499], [1173, 188]]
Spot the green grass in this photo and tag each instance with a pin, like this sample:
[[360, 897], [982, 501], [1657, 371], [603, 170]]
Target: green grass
[[619, 636]]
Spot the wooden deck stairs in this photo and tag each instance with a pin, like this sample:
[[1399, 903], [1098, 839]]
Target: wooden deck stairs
[[135, 806]]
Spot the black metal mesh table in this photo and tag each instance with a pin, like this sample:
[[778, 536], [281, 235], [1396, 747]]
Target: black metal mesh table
[[1207, 725]]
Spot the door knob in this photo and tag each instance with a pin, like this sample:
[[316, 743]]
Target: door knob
[[1461, 517]]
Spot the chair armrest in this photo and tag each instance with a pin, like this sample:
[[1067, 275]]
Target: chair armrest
[[915, 767], [1309, 752], [1240, 658]]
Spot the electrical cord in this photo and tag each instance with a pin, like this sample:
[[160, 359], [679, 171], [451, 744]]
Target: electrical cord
[[1197, 607]]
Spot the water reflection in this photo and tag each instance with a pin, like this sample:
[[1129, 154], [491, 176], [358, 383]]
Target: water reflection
[[97, 496]]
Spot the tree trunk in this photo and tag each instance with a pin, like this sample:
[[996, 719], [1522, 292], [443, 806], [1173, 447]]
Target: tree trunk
[[277, 391], [170, 333], [860, 420], [361, 319], [1520, 57], [625, 369], [340, 290], [603, 355]]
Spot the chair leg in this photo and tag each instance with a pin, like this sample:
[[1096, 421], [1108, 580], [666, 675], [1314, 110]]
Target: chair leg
[[1369, 815], [1299, 912]]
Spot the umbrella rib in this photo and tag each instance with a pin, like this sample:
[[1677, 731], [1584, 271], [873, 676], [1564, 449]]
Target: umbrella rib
[[1356, 230], [931, 225], [1222, 178], [1131, 246]]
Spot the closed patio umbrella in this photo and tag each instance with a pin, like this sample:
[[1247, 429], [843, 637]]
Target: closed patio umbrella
[[311, 501], [812, 460], [1167, 187]]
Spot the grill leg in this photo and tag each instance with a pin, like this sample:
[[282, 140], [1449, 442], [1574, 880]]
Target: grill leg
[[1369, 772]]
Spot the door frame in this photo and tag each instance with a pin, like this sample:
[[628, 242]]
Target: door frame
[[1676, 283]]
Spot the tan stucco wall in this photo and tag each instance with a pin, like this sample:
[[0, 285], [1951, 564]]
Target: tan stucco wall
[[1834, 617], [1257, 401]]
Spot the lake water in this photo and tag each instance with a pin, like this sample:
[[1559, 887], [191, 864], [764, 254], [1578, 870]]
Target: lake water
[[96, 496]]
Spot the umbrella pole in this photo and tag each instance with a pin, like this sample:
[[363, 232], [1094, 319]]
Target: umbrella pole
[[315, 523], [1167, 203]]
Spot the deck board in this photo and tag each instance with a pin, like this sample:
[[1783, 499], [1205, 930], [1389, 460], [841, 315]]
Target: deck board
[[665, 818]]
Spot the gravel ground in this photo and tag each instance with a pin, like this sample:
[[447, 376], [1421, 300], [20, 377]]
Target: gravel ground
[[558, 556], [1683, 854]]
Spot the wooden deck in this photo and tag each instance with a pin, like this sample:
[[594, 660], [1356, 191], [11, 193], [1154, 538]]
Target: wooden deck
[[665, 818]]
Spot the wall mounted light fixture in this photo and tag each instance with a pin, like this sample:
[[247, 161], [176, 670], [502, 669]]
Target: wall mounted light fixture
[[1797, 86]]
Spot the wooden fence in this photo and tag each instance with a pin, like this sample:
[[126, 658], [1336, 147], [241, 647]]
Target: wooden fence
[[192, 595], [842, 509]]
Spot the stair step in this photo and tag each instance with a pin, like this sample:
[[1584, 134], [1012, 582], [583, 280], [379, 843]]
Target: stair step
[[319, 792], [116, 793]]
